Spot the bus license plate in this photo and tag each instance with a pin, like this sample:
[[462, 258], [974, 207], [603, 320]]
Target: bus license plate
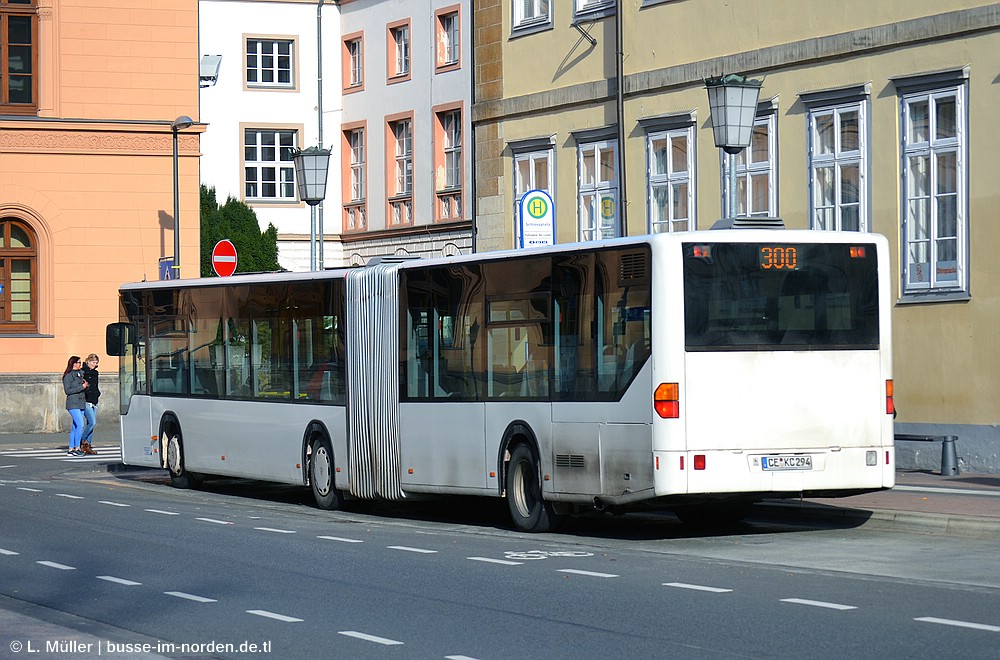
[[786, 462]]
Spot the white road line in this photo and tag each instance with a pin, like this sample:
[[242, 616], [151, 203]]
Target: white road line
[[6, 466], [117, 580], [8, 552], [163, 513], [213, 520], [30, 490], [458, 657], [960, 624], [590, 573], [341, 539], [52, 564], [272, 615], [938, 489], [696, 587], [276, 531], [490, 560], [818, 603], [408, 549], [369, 638], [69, 497], [197, 599], [110, 503]]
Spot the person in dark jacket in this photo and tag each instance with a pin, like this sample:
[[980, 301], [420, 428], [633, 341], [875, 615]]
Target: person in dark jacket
[[74, 385], [91, 395]]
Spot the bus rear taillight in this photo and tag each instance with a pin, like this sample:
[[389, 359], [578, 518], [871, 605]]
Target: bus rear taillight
[[890, 407], [666, 401]]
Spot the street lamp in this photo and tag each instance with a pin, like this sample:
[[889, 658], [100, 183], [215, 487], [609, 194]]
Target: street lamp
[[179, 124], [732, 100], [311, 166]]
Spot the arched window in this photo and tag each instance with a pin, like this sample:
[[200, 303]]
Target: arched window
[[18, 277]]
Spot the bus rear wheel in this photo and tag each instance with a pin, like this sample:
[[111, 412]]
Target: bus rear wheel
[[528, 509], [179, 476], [321, 476]]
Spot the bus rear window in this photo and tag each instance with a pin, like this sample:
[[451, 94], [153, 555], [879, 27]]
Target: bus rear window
[[756, 296]]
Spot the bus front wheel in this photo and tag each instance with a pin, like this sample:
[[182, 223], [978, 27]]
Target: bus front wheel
[[528, 510], [321, 476], [179, 476]]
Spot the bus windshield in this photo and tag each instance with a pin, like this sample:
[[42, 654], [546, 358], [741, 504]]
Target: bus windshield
[[779, 296]]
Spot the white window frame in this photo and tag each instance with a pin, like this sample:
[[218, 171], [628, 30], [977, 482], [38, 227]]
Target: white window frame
[[271, 165], [590, 6], [359, 184], [837, 162], [264, 51], [526, 13], [451, 124], [749, 173], [450, 30], [523, 185], [670, 181], [401, 42], [594, 195], [357, 65], [933, 271]]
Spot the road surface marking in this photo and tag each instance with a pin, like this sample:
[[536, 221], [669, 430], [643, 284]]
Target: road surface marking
[[341, 539], [214, 521], [272, 615], [696, 587], [69, 497], [490, 560], [458, 657], [8, 552], [197, 599], [52, 564], [30, 490], [6, 466], [117, 580], [960, 624], [590, 573], [163, 513], [369, 638], [818, 603], [276, 531], [109, 503], [408, 549], [937, 489]]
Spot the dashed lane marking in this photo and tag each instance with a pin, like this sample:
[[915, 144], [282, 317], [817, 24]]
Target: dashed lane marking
[[409, 549], [69, 497], [340, 538], [118, 580], [275, 530], [197, 599], [696, 587], [272, 615], [163, 513], [52, 564], [110, 503], [588, 573], [369, 638], [490, 560], [30, 490], [214, 521], [960, 624], [818, 603], [8, 552]]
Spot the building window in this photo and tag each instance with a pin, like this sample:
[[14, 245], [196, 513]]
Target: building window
[[401, 180], [532, 171], [588, 6], [18, 277], [354, 59], [598, 191], [448, 165], [356, 185], [448, 38], [671, 180], [269, 172], [399, 51], [18, 57], [529, 13], [935, 222], [269, 62], [756, 172], [837, 167]]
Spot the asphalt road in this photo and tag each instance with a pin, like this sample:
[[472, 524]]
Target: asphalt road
[[95, 554]]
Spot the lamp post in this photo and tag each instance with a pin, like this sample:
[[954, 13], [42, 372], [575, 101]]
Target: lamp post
[[178, 124], [732, 101], [311, 166]]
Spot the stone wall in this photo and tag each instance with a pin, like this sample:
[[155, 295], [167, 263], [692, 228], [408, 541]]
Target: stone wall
[[35, 403]]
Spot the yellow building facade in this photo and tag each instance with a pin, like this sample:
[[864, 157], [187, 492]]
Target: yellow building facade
[[872, 116], [90, 91]]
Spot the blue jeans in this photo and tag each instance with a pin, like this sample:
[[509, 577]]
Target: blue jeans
[[90, 413], [77, 430]]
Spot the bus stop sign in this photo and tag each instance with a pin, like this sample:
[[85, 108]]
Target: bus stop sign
[[224, 258]]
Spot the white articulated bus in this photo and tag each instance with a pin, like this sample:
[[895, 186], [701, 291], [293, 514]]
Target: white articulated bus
[[694, 372]]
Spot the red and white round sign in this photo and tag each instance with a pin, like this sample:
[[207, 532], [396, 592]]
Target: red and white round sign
[[224, 258]]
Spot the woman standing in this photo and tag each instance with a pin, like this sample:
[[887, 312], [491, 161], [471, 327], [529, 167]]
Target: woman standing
[[92, 394], [74, 385]]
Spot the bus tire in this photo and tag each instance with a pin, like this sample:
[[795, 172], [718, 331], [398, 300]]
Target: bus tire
[[528, 509], [321, 478], [179, 476]]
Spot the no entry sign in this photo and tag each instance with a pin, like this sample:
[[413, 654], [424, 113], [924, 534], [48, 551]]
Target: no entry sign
[[224, 258]]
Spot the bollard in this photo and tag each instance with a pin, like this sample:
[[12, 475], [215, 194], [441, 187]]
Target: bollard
[[949, 456]]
